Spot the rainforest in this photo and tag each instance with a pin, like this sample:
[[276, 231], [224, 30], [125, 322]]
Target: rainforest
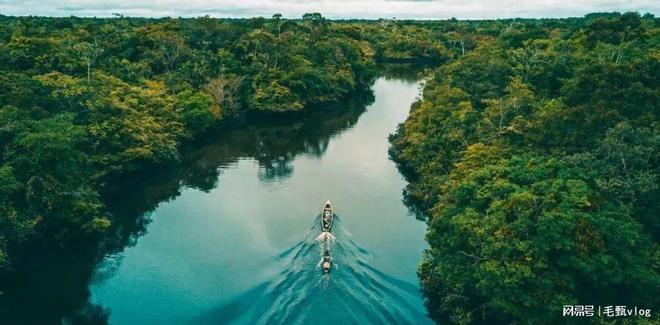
[[530, 156]]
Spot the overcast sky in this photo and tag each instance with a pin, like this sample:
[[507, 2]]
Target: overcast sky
[[467, 9]]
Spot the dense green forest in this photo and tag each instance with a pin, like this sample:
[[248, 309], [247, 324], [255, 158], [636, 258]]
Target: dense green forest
[[534, 157], [532, 153]]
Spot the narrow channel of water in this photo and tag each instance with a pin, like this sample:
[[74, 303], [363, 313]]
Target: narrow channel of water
[[236, 243]]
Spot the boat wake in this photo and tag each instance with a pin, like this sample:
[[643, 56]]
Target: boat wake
[[353, 292], [325, 236]]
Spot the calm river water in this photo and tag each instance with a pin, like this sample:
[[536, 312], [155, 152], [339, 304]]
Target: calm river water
[[231, 237]]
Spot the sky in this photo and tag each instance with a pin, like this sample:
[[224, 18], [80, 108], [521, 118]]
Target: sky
[[338, 9]]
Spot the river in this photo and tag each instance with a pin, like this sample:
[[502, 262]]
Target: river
[[230, 238]]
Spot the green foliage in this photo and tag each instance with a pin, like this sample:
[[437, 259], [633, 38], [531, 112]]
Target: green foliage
[[519, 238], [534, 157], [51, 143], [66, 93], [8, 184], [197, 110], [133, 126], [407, 42], [273, 97]]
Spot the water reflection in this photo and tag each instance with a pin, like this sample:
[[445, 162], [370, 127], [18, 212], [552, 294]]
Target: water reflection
[[53, 287], [406, 72], [274, 141]]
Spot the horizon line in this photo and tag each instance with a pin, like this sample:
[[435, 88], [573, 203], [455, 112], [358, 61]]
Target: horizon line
[[117, 15]]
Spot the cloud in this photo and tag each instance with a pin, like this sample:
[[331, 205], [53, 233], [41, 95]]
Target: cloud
[[420, 9]]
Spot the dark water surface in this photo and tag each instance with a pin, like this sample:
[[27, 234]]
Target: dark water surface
[[229, 235]]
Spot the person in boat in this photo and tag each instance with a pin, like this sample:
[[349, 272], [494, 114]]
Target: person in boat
[[327, 262], [327, 216]]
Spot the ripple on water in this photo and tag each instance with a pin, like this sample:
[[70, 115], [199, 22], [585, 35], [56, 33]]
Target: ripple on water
[[353, 292]]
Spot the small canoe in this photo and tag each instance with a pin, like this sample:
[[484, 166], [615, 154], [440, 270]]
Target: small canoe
[[327, 217]]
